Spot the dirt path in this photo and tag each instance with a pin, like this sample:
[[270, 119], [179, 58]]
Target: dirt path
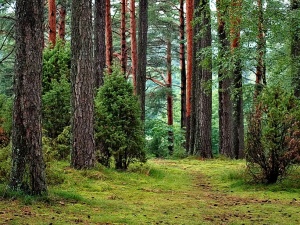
[[224, 206]]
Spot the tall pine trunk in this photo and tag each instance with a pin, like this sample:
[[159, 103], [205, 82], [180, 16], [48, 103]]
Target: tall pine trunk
[[238, 115], [123, 37], [99, 36], [170, 99], [28, 168], [182, 65], [189, 67], [202, 76], [82, 81], [108, 37], [52, 21], [225, 103], [62, 19], [142, 54], [261, 50], [133, 43]]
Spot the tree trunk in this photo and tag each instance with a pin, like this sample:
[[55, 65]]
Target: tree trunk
[[295, 45], [225, 103], [62, 20], [202, 76], [99, 35], [189, 46], [182, 65], [123, 37], [170, 100], [82, 81], [52, 21], [142, 54], [133, 43], [261, 49], [28, 168], [238, 115], [108, 37]]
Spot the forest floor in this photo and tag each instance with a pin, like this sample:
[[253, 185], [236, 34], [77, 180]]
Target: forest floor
[[185, 191]]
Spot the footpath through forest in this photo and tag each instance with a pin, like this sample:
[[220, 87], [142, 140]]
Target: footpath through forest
[[161, 192]]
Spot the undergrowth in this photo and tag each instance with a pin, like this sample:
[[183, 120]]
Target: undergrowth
[[188, 191]]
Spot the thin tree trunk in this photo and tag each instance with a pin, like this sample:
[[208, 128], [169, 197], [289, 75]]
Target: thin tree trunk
[[52, 21], [108, 37], [295, 45], [142, 54], [99, 34], [238, 115], [62, 20], [170, 100], [28, 168], [225, 103], [182, 65], [82, 80], [189, 31], [261, 49], [123, 37], [133, 43], [202, 76]]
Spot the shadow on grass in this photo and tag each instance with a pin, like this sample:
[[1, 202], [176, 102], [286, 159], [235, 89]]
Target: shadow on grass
[[25, 198]]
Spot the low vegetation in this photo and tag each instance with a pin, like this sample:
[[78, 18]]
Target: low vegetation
[[188, 191]]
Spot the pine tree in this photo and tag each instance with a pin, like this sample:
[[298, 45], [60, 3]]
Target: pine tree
[[202, 76], [28, 168], [225, 103], [52, 21], [99, 34], [82, 82], [142, 54]]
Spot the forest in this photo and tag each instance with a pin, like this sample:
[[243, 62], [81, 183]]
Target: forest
[[149, 112]]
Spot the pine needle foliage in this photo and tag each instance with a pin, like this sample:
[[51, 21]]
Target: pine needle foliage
[[119, 130], [273, 138]]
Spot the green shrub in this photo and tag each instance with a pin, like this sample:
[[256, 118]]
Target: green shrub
[[157, 139], [5, 119], [119, 130], [56, 89], [56, 64], [5, 163], [273, 137], [56, 108]]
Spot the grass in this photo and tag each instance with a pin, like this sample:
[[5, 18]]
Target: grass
[[187, 191]]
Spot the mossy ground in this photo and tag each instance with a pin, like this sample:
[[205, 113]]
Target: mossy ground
[[186, 191]]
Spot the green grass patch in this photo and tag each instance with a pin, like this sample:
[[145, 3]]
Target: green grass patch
[[187, 191]]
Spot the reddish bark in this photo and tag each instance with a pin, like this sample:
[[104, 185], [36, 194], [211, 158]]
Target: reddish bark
[[182, 65], [62, 22], [123, 37], [108, 39], [133, 43], [52, 21], [238, 116], [189, 31]]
